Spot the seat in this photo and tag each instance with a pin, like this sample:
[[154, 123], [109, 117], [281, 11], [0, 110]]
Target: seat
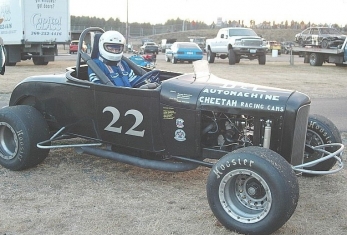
[[95, 48]]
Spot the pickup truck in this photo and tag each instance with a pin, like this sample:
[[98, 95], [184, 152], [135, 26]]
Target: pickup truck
[[316, 56], [149, 47], [235, 44]]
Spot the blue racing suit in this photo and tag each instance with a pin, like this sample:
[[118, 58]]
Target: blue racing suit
[[120, 74]]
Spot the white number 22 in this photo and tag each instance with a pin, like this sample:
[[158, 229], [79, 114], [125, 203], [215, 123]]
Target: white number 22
[[116, 115]]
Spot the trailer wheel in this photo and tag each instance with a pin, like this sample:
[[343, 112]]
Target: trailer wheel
[[320, 130], [252, 190], [21, 128], [316, 59], [231, 57], [210, 56]]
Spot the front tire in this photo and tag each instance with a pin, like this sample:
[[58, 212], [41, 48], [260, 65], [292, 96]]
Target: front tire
[[262, 59], [252, 190], [173, 60], [21, 128], [231, 57], [320, 130], [210, 56]]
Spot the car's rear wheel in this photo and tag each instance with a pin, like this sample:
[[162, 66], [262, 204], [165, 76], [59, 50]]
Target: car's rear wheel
[[21, 128], [301, 42], [252, 190]]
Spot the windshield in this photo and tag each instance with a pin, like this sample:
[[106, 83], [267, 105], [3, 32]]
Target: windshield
[[242, 32]]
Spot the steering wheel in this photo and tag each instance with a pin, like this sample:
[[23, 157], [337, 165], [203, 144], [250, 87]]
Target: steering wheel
[[150, 77]]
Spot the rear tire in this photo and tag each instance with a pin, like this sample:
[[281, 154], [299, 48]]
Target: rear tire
[[21, 128], [316, 59], [252, 190]]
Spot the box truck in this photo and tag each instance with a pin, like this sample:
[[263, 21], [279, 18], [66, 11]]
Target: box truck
[[31, 29]]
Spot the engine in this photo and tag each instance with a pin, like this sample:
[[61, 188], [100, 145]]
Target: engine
[[227, 132]]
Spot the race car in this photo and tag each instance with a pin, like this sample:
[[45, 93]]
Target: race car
[[254, 138]]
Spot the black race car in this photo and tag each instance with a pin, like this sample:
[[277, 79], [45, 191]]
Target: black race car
[[254, 138]]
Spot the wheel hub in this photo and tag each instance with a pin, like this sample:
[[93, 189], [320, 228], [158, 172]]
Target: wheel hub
[[8, 141], [245, 196]]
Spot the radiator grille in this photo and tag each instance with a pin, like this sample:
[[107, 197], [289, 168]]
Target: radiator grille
[[300, 129], [251, 42]]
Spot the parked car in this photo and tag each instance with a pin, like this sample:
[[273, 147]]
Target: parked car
[[183, 51], [286, 46], [149, 47], [73, 48], [324, 37], [273, 45]]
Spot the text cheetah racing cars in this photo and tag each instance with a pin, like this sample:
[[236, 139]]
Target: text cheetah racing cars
[[254, 138]]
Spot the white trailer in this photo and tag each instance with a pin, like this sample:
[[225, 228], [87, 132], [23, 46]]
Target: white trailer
[[316, 56], [31, 29]]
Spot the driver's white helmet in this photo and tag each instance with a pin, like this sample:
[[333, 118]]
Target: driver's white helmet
[[111, 46]]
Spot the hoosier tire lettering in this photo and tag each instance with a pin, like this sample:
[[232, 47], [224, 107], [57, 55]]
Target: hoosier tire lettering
[[240, 162]]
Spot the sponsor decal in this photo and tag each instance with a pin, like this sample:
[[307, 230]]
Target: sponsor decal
[[180, 135]]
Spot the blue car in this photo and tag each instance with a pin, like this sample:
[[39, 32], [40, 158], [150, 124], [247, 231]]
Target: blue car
[[183, 51]]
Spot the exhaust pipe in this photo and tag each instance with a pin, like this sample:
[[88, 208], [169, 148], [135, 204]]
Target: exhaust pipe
[[136, 161]]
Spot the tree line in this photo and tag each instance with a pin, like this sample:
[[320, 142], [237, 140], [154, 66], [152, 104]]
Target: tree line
[[172, 25]]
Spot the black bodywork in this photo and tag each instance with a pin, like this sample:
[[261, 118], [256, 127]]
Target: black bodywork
[[195, 118]]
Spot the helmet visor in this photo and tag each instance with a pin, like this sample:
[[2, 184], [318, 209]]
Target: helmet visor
[[113, 48]]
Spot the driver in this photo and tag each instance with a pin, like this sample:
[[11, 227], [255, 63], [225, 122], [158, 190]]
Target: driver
[[111, 46]]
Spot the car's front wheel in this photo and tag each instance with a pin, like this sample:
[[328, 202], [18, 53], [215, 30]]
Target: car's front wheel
[[252, 190], [325, 43], [231, 57], [173, 60], [320, 131], [262, 59], [21, 128], [210, 56]]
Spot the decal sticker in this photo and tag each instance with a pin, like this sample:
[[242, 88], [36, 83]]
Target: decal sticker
[[180, 135], [181, 97], [179, 123], [168, 113]]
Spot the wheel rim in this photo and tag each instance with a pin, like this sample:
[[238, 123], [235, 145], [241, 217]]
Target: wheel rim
[[245, 196], [8, 141], [312, 139]]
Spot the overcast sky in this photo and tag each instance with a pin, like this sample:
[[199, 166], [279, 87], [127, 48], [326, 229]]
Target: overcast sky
[[159, 11]]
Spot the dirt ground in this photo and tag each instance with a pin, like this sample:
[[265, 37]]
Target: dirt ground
[[81, 194]]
